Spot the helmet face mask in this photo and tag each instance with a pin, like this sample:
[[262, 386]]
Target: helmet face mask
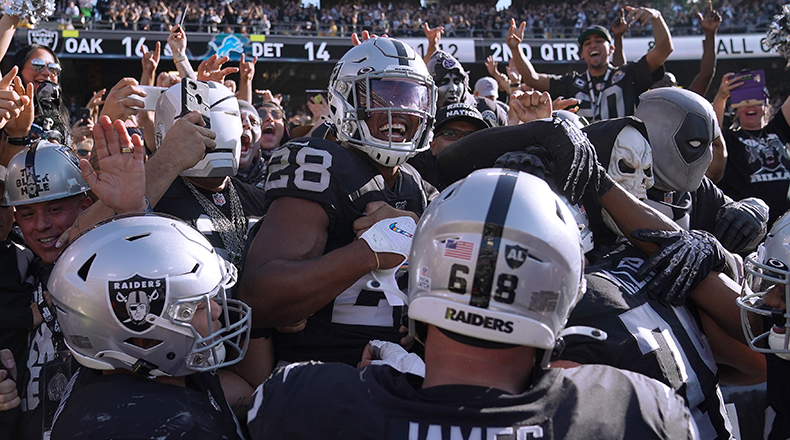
[[382, 100], [141, 293], [765, 287], [512, 280]]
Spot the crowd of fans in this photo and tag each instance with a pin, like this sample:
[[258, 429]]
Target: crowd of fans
[[544, 19]]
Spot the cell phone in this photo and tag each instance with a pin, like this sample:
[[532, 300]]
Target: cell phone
[[195, 96], [752, 89], [318, 96], [84, 114]]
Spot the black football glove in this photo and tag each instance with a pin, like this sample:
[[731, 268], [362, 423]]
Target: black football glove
[[684, 259], [741, 225], [530, 161], [573, 159]]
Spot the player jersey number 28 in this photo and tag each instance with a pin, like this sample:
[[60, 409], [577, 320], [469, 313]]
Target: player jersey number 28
[[312, 169]]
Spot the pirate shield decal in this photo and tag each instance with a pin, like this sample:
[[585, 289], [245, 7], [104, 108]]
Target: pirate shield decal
[[135, 298]]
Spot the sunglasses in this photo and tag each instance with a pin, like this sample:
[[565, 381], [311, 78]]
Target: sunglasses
[[83, 153], [274, 113], [452, 134], [37, 64]]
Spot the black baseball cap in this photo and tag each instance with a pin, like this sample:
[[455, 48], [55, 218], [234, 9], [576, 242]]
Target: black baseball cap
[[595, 30], [459, 112]]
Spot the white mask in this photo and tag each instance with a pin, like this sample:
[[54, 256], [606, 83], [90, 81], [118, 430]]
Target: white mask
[[630, 165]]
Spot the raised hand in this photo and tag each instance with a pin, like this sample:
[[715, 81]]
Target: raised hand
[[119, 181], [529, 106], [11, 102], [619, 25], [515, 35], [19, 125], [211, 69], [247, 69], [120, 104], [710, 21]]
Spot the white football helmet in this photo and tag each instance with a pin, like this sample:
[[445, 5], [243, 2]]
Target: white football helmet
[[42, 172], [497, 257], [768, 269], [225, 122], [126, 292], [383, 76]]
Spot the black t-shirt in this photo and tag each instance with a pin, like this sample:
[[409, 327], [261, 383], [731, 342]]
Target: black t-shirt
[[342, 181], [644, 336], [179, 202], [128, 406], [377, 402], [616, 92], [758, 165]]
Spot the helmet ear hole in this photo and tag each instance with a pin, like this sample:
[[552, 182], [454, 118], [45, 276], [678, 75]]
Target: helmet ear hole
[[83, 271]]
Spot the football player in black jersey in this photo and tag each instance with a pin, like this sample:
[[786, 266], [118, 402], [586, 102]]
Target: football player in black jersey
[[150, 328], [306, 269], [603, 91], [495, 268]]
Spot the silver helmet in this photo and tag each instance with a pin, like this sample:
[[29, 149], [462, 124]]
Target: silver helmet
[[497, 257], [126, 292], [383, 76], [768, 270], [225, 121], [42, 172]]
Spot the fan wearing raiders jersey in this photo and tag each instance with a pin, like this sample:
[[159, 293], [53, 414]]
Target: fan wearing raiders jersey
[[306, 272], [496, 267], [603, 91], [647, 337]]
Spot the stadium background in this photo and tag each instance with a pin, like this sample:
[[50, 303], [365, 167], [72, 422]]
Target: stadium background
[[292, 64]]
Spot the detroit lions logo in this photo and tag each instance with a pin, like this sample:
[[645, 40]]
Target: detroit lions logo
[[135, 298], [231, 43]]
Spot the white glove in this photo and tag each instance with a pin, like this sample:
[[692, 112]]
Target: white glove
[[390, 235], [392, 354]]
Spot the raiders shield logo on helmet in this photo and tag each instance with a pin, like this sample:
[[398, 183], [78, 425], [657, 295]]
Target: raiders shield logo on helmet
[[515, 256], [133, 299]]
